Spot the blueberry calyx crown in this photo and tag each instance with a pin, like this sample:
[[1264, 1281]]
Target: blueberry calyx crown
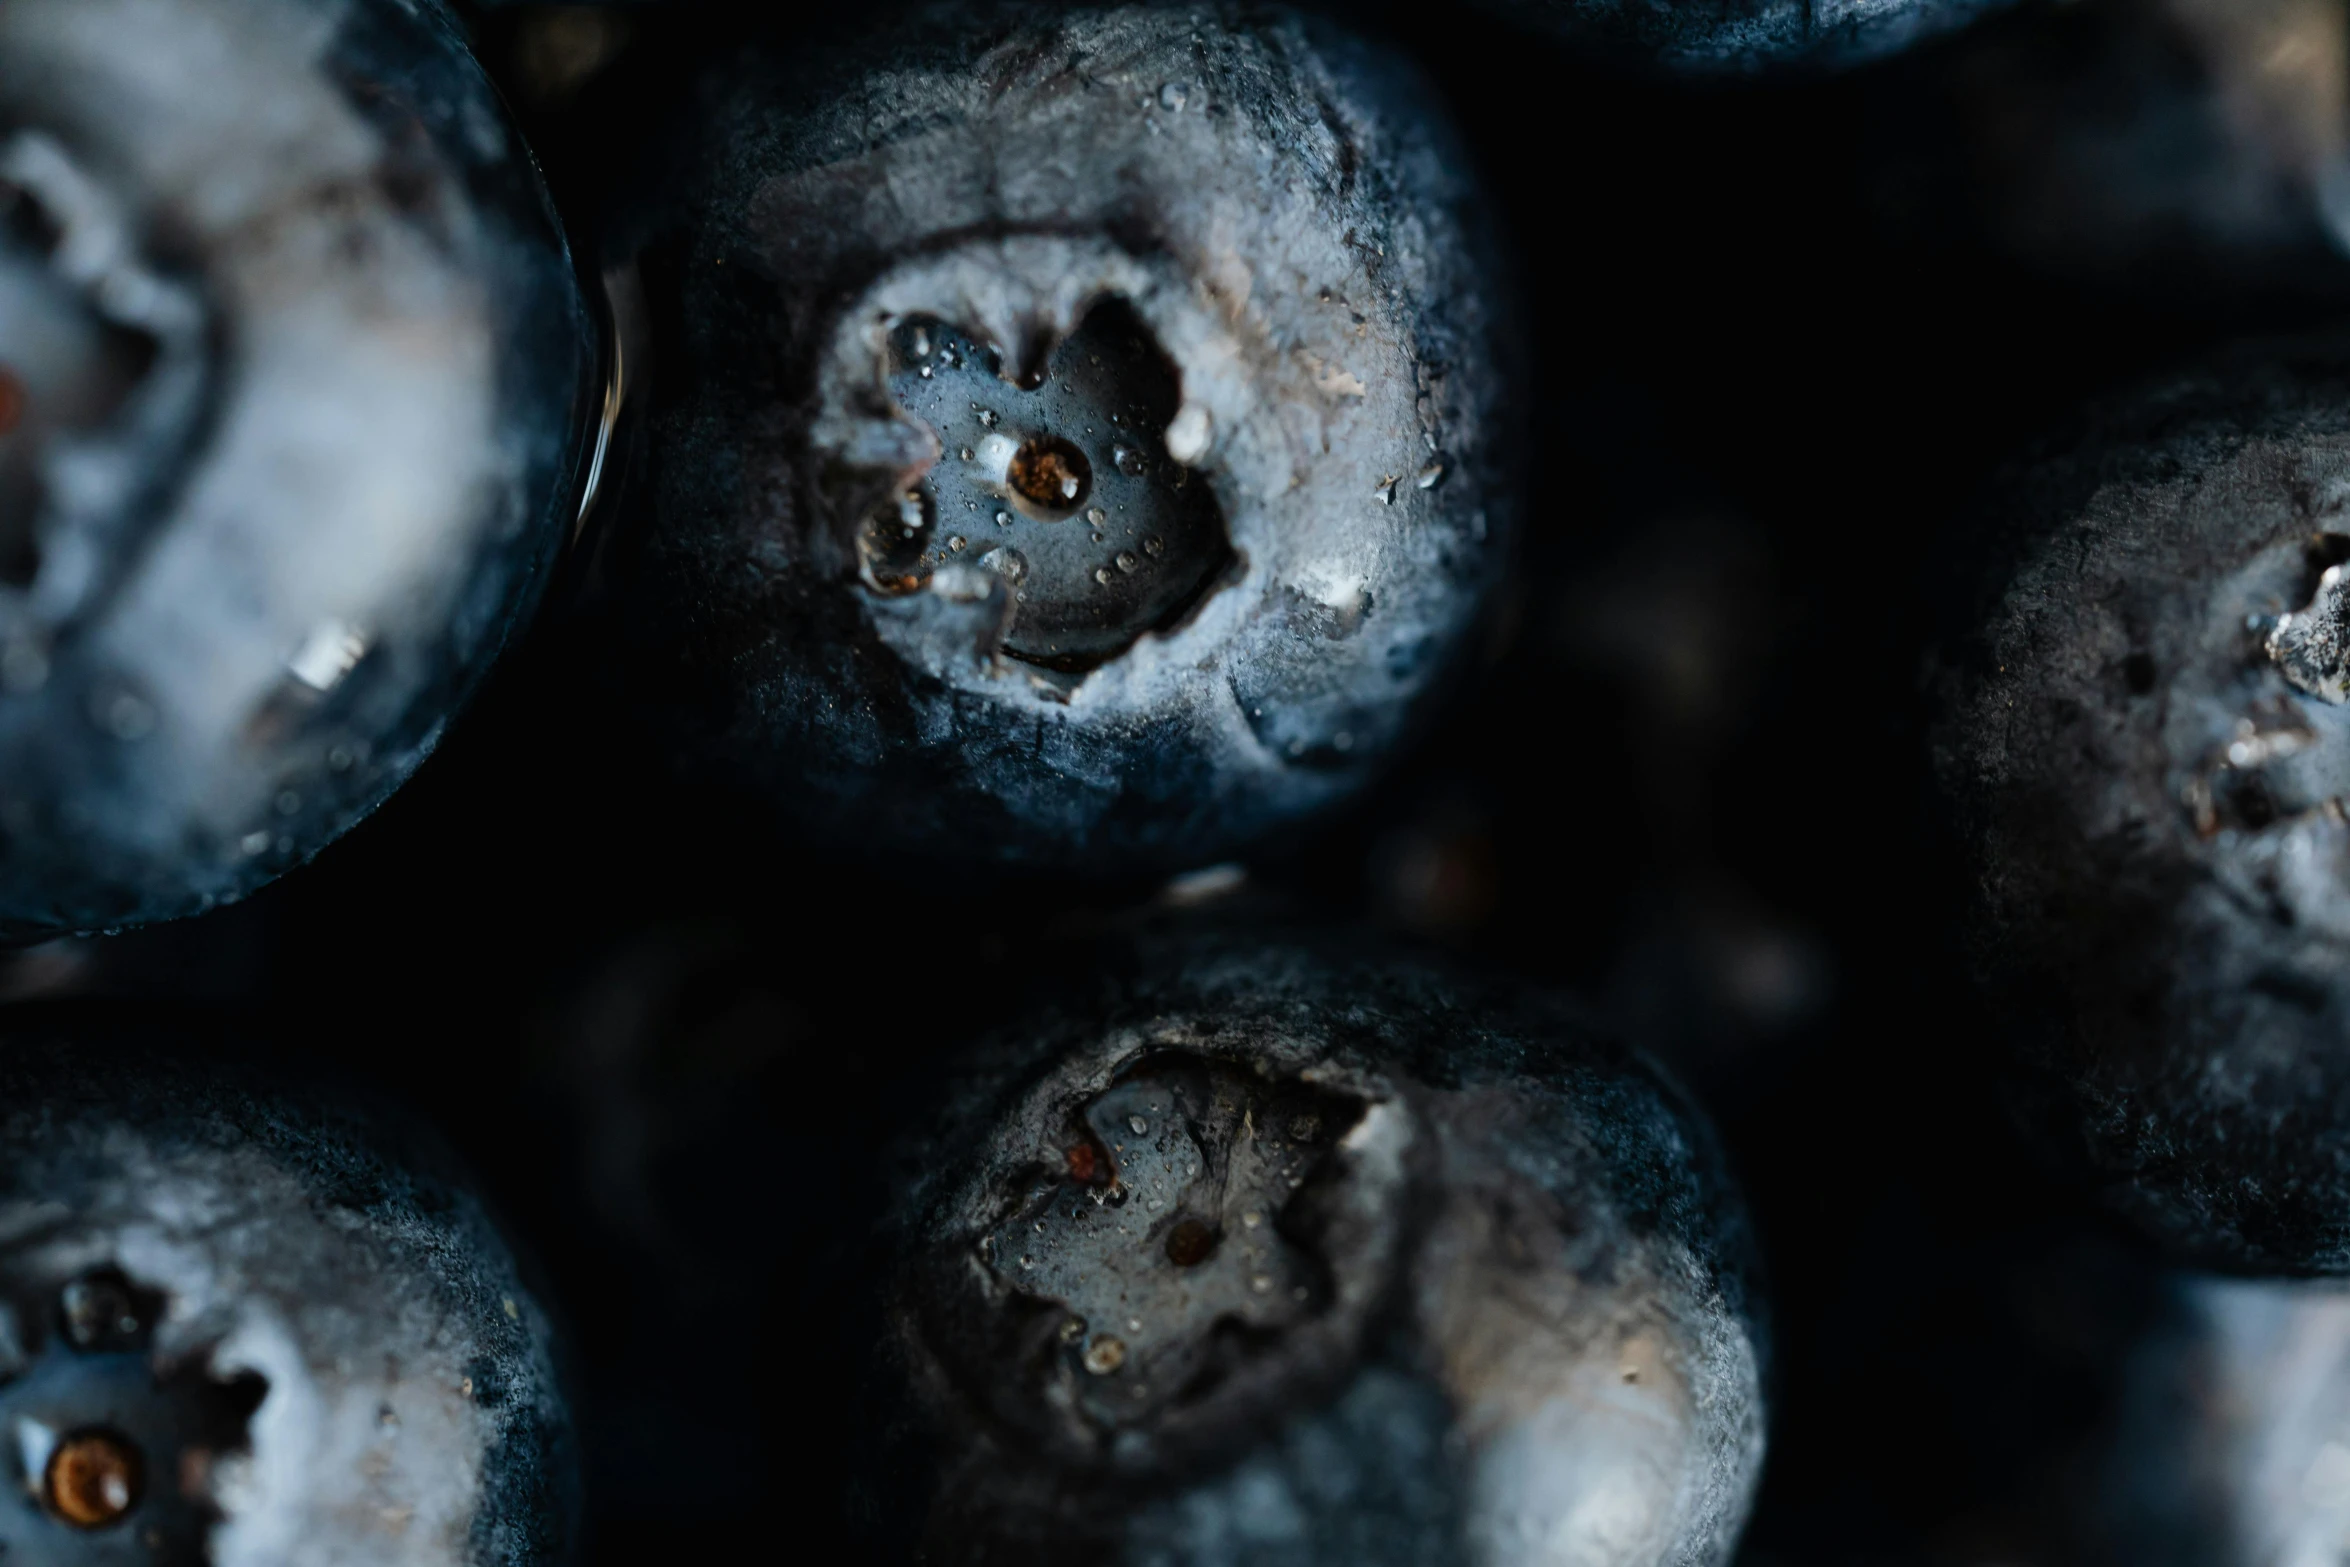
[[1189, 1249], [1060, 481], [101, 1438]]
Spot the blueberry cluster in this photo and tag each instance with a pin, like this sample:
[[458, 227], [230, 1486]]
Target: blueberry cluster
[[1180, 783]]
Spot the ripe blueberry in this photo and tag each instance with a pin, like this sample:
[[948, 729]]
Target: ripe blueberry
[[2230, 1441], [1744, 36], [240, 1325], [292, 372], [2147, 753], [2183, 146], [1274, 1253], [1076, 435]]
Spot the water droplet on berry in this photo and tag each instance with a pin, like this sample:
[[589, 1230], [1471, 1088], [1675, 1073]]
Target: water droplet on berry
[[92, 1479]]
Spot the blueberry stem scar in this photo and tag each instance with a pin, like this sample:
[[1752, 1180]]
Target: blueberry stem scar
[[1060, 483]]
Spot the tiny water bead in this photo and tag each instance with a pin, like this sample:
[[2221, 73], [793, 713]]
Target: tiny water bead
[[893, 543], [1052, 475], [102, 1313]]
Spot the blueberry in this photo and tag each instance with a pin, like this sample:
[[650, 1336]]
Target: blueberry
[[1283, 1250], [293, 374], [1077, 435], [241, 1323], [2230, 1441], [2066, 1397], [2173, 147], [2146, 749], [1744, 36]]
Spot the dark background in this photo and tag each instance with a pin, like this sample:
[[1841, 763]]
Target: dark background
[[1782, 336]]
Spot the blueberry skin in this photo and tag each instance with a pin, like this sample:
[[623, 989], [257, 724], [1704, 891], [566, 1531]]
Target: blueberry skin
[[1243, 233], [1747, 37], [1278, 1249], [2144, 750], [342, 369], [307, 1329]]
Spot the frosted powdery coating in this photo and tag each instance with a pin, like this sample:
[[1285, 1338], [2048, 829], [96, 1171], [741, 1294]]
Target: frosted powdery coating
[[2147, 754], [302, 391], [1287, 229], [1394, 1272], [391, 1400]]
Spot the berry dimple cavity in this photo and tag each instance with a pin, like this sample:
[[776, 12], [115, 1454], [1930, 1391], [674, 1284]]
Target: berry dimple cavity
[[110, 1432], [1070, 444], [1202, 1281]]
